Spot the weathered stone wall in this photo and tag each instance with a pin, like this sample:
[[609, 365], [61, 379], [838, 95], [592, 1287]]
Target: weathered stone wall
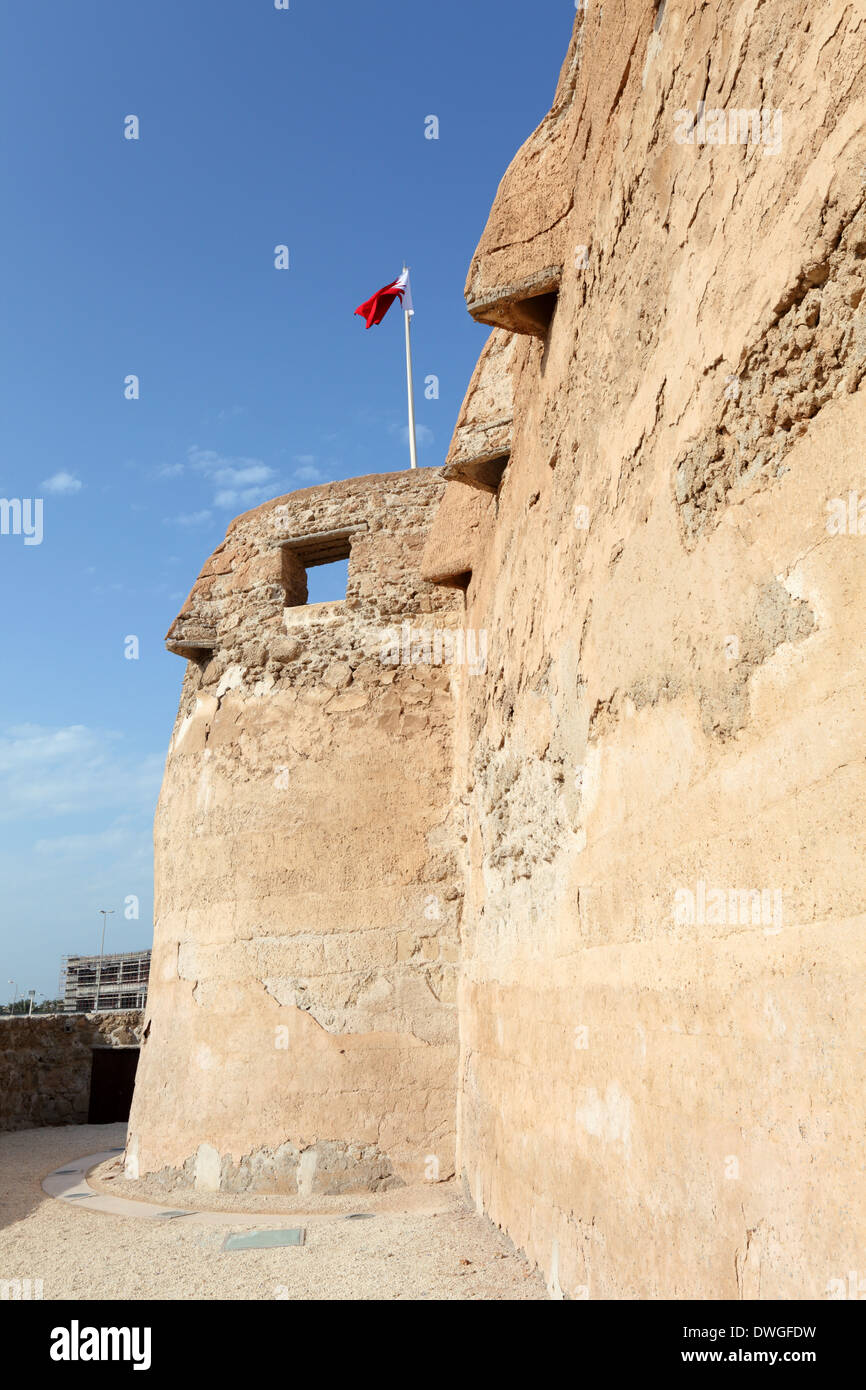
[[662, 1086], [301, 1023], [45, 1064], [653, 507]]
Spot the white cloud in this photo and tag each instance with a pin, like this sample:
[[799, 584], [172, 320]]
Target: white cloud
[[63, 484], [306, 469], [422, 433], [120, 837], [242, 477], [249, 497], [76, 806], [72, 770], [188, 519], [240, 482]]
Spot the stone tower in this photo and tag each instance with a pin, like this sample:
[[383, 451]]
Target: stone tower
[[302, 1031], [649, 798]]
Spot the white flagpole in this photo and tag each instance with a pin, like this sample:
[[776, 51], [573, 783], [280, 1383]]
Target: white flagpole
[[413, 446]]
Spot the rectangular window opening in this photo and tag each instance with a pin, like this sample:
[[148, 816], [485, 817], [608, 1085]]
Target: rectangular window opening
[[328, 583], [315, 568]]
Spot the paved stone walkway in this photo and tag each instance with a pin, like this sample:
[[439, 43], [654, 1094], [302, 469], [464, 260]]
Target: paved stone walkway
[[69, 1184], [82, 1244]]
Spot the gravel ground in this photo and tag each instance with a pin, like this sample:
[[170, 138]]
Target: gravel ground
[[423, 1243]]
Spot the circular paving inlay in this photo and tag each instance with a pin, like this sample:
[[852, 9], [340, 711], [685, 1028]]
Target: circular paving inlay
[[69, 1184]]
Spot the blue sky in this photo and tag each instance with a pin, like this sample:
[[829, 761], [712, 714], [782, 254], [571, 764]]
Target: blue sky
[[155, 257]]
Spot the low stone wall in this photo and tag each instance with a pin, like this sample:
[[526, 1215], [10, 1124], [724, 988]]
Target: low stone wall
[[45, 1064]]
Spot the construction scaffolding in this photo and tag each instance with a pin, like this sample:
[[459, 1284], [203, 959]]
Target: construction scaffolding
[[106, 984]]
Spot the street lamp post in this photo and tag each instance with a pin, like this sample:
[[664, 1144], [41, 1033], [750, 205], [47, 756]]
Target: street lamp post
[[31, 995], [14, 996], [106, 912]]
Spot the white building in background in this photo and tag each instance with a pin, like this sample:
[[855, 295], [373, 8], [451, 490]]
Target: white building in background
[[119, 982]]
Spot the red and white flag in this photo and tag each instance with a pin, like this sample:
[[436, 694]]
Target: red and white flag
[[375, 308]]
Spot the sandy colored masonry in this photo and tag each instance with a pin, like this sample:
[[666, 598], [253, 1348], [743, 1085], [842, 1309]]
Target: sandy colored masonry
[[302, 1027], [640, 819], [46, 1061]]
